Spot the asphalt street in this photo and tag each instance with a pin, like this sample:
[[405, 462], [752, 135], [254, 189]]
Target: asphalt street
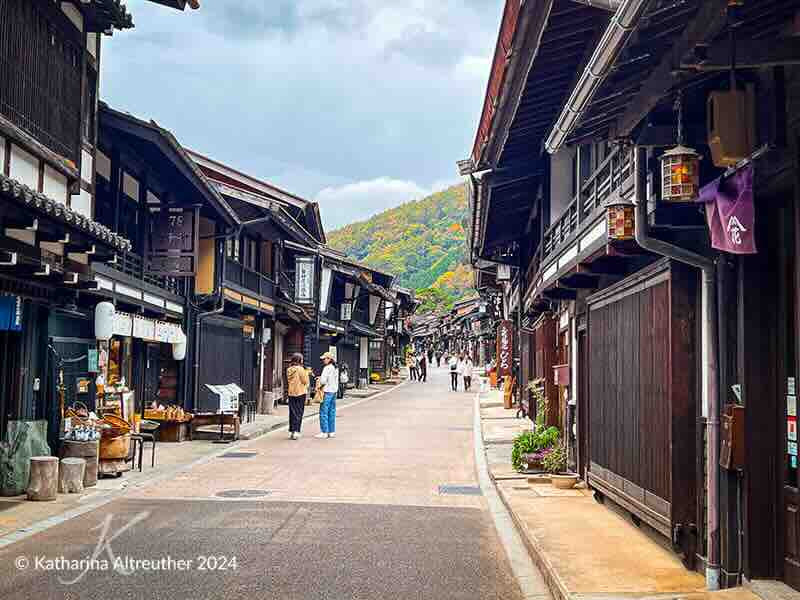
[[361, 516]]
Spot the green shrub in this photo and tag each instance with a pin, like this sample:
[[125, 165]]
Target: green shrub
[[556, 460], [532, 441]]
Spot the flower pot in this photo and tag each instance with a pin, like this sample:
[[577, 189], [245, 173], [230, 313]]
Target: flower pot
[[564, 481]]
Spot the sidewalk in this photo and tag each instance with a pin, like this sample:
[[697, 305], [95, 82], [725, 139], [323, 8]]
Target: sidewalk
[[583, 549], [19, 517]]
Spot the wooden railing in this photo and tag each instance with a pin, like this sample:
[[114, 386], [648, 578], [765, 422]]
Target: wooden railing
[[598, 187], [286, 284], [133, 266], [249, 279]]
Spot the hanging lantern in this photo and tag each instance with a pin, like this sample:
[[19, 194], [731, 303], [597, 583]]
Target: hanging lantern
[[620, 221], [104, 321], [680, 174], [680, 167]]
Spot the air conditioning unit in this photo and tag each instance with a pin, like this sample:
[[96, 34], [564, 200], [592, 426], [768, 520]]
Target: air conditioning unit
[[731, 126]]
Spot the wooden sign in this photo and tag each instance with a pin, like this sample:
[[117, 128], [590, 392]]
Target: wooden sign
[[505, 348], [174, 242]]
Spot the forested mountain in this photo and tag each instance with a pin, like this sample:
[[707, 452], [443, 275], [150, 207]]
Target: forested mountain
[[422, 242]]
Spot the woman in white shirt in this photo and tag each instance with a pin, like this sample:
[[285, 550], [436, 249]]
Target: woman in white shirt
[[328, 382], [466, 372], [452, 363]]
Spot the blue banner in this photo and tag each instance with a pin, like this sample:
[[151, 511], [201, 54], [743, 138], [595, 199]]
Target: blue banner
[[10, 313]]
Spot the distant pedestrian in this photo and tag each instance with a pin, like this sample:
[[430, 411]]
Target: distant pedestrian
[[297, 379], [344, 379], [423, 368], [412, 366], [452, 362], [467, 373], [438, 359], [329, 384]]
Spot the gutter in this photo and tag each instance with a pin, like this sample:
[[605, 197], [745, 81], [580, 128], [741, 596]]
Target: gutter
[[622, 25], [707, 269]]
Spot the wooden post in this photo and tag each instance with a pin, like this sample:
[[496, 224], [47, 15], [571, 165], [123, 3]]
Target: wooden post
[[70, 475], [43, 482]]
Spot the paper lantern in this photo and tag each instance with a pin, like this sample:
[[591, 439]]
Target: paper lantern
[[179, 348], [621, 220], [680, 174], [104, 321]]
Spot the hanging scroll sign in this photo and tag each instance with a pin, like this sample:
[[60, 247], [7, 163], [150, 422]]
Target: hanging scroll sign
[[174, 242]]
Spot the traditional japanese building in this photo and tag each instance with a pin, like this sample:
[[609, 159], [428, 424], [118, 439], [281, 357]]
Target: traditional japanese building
[[640, 221]]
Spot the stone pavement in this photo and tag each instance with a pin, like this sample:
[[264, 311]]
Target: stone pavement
[[586, 550], [18, 516]]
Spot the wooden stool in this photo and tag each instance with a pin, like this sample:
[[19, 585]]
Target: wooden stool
[[70, 475], [43, 484]]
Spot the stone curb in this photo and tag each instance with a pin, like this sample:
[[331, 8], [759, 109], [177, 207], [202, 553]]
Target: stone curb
[[548, 571]]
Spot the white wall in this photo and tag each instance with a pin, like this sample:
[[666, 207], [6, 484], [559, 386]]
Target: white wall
[[103, 165], [74, 14], [82, 204], [2, 153], [561, 182], [24, 167], [55, 185], [130, 186], [87, 166]]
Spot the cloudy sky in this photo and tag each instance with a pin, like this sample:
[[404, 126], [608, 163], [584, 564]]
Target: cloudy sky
[[359, 104]]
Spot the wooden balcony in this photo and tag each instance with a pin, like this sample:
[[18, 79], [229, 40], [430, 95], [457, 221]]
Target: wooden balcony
[[133, 268], [246, 280]]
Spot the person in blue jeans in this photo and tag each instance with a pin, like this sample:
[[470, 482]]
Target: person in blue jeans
[[328, 382]]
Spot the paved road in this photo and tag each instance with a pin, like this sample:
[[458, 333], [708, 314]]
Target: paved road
[[356, 517]]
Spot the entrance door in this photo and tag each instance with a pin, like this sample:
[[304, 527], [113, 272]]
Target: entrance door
[[152, 371]]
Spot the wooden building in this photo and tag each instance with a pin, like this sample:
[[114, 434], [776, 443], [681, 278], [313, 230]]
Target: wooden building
[[654, 305], [51, 241]]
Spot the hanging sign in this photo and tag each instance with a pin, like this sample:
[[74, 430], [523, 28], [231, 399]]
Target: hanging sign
[[791, 429], [94, 360], [503, 272], [346, 311], [174, 241], [122, 324], [325, 290], [168, 333], [144, 328], [505, 348], [304, 280]]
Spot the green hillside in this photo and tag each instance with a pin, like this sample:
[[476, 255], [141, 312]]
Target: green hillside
[[422, 242]]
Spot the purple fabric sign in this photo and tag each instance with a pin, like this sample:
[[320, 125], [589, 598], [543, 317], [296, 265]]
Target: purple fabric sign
[[730, 212]]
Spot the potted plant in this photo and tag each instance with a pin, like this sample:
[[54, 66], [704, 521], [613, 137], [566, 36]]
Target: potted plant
[[555, 463]]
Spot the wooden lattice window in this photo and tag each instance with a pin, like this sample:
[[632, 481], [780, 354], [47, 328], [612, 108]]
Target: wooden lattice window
[[40, 70]]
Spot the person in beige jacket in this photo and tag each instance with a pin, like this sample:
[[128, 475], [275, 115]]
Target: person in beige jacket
[[297, 379]]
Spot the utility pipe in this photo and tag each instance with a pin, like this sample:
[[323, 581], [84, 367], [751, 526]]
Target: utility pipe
[[708, 271], [623, 23]]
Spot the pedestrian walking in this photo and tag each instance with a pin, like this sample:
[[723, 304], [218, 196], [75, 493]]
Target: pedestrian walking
[[297, 377], [329, 384], [423, 368], [412, 366], [344, 379], [460, 366], [467, 373], [438, 360], [452, 362]]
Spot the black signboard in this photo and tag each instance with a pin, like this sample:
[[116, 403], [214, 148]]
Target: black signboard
[[174, 242]]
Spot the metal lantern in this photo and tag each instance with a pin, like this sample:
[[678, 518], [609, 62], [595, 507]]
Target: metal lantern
[[621, 221], [680, 174]]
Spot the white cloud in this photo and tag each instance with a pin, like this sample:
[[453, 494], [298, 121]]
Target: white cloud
[[360, 200]]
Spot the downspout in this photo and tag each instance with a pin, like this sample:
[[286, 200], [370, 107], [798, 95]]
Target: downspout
[[204, 315], [708, 272]]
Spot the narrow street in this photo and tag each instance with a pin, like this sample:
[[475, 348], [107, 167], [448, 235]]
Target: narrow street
[[358, 516]]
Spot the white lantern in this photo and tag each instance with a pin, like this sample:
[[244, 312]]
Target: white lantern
[[179, 348], [104, 321]]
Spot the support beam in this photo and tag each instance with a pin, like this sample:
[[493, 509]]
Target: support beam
[[609, 5], [709, 21], [750, 54]]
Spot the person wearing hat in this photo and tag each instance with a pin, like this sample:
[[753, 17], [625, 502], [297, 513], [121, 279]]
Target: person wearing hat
[[328, 382]]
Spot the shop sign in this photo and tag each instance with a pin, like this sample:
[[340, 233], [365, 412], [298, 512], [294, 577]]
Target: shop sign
[[304, 280], [144, 328], [346, 311], [791, 429], [174, 242], [503, 272], [168, 333], [122, 324], [10, 313], [94, 360], [505, 348]]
